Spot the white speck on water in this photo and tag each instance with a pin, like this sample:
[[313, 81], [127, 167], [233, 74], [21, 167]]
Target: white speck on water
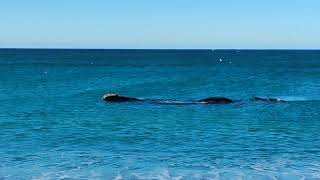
[[45, 72], [118, 177], [220, 60]]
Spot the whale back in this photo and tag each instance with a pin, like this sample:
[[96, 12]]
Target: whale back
[[118, 98], [215, 100]]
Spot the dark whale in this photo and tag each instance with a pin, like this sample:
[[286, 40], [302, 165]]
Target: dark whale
[[210, 100], [118, 98], [215, 100]]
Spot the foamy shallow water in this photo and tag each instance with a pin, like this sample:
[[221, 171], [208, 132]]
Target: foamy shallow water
[[55, 126]]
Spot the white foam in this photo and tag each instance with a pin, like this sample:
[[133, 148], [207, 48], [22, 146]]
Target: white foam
[[118, 177], [161, 175], [175, 102], [295, 98]]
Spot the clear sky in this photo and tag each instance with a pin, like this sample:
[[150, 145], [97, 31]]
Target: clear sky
[[285, 24]]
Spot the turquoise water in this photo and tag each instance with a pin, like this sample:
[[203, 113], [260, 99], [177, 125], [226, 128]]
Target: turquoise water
[[53, 124]]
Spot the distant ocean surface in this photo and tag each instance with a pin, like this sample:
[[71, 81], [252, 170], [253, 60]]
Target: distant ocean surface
[[54, 125]]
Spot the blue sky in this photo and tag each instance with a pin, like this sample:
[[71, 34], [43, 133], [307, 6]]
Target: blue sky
[[254, 24]]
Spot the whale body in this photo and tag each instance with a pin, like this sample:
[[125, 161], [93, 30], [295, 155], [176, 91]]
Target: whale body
[[117, 98], [215, 100], [210, 100]]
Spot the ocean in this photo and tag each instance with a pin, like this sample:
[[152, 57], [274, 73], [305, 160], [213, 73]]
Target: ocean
[[54, 125]]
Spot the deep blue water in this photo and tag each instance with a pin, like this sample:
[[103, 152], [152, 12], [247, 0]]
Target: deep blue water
[[53, 124]]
